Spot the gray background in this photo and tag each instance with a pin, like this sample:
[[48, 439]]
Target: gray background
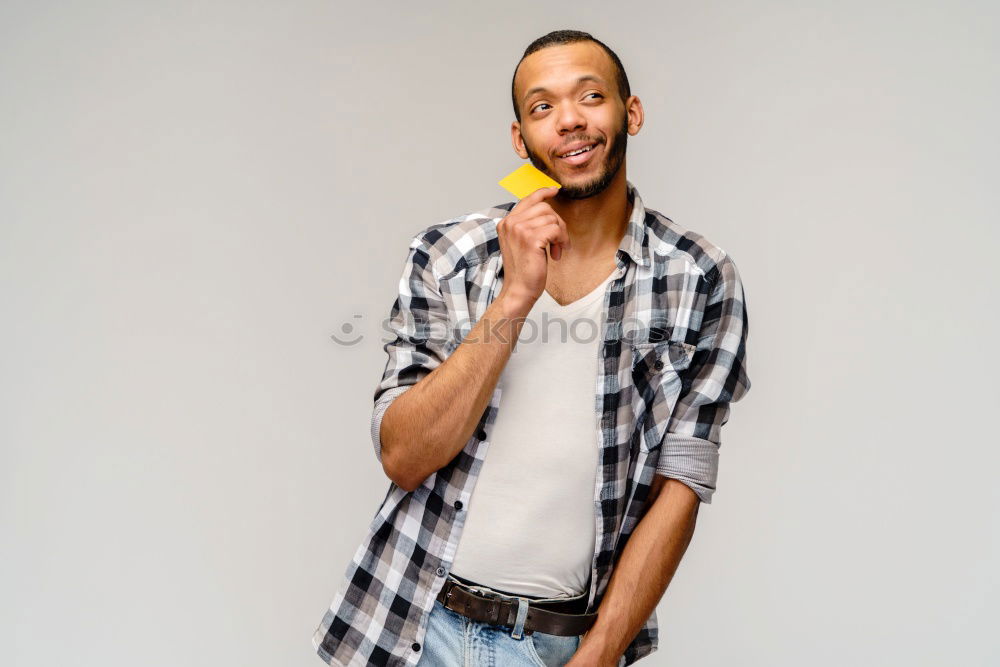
[[195, 195]]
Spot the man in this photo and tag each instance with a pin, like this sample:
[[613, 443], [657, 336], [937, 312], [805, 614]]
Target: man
[[543, 530]]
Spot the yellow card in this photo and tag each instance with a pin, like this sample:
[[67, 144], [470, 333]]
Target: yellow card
[[526, 179]]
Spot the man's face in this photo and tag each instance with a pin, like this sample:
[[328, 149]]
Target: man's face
[[568, 112]]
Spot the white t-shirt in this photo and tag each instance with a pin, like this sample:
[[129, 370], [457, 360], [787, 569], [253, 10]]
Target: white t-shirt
[[531, 522]]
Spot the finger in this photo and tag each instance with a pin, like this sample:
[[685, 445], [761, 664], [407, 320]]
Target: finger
[[551, 218], [538, 195], [541, 213], [553, 234], [560, 248], [548, 228], [544, 193], [557, 250]]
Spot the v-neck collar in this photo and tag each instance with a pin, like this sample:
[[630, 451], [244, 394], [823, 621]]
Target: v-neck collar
[[582, 302]]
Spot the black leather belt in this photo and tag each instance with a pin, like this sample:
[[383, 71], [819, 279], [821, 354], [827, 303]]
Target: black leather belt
[[565, 619]]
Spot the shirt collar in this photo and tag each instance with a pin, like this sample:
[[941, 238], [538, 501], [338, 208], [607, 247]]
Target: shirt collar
[[634, 241]]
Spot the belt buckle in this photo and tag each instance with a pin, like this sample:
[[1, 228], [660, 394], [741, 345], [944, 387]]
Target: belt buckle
[[447, 596], [453, 584]]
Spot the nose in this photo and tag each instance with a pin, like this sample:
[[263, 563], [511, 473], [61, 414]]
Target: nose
[[570, 119]]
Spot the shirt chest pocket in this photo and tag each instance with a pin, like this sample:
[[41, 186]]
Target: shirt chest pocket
[[657, 369]]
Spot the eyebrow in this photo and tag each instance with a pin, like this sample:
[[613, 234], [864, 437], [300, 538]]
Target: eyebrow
[[542, 89]]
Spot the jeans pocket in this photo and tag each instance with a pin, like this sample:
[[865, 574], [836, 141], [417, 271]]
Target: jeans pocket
[[552, 650]]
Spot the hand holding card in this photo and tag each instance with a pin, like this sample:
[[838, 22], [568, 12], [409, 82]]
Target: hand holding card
[[528, 234]]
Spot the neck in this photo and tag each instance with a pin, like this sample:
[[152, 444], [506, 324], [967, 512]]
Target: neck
[[596, 223]]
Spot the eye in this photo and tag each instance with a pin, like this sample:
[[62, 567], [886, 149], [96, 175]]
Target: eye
[[543, 104], [598, 94]]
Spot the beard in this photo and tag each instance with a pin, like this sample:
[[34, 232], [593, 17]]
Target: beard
[[609, 169]]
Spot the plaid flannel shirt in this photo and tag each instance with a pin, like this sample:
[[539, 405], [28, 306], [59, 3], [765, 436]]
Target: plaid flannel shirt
[[673, 359]]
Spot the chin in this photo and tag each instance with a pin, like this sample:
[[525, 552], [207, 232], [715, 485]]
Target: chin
[[584, 189]]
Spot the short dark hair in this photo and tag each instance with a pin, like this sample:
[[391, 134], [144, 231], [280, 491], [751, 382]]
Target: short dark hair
[[559, 37]]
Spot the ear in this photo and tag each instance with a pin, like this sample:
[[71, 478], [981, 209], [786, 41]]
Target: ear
[[517, 140], [633, 108]]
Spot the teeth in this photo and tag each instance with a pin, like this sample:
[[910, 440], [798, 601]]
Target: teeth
[[582, 150]]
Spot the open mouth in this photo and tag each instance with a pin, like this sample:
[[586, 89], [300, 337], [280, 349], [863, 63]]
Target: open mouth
[[579, 156]]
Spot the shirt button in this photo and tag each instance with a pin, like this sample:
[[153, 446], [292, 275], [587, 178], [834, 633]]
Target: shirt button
[[440, 572], [416, 646], [458, 504], [658, 365], [481, 435]]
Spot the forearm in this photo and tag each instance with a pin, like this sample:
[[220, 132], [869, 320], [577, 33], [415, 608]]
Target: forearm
[[426, 426], [642, 574]]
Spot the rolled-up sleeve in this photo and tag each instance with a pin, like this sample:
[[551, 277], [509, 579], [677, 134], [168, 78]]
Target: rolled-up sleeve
[[716, 378], [417, 333]]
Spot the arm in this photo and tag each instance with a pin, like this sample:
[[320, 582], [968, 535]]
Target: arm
[[642, 574], [716, 378], [429, 402], [428, 425]]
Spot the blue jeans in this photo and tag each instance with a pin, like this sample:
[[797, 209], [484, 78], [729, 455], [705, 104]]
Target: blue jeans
[[452, 640]]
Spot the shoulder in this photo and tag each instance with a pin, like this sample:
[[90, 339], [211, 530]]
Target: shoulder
[[462, 241], [670, 241]]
